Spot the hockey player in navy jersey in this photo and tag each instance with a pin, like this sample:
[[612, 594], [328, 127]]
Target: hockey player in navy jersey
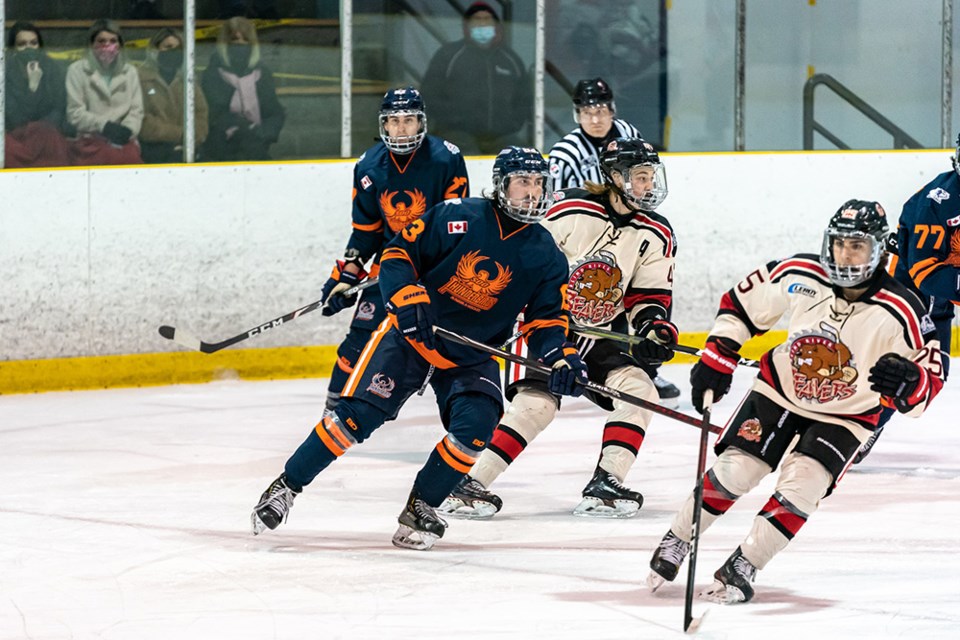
[[621, 256], [928, 259], [469, 266], [858, 341], [394, 182]]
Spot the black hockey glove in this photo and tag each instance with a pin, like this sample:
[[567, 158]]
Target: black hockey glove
[[411, 308], [332, 295], [568, 371], [659, 337], [117, 133], [715, 370], [898, 379]]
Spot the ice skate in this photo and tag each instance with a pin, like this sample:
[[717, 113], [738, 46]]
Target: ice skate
[[666, 560], [732, 581], [274, 505], [420, 527], [605, 497], [668, 392], [470, 501]]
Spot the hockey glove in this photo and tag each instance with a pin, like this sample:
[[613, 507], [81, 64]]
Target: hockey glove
[[411, 308], [568, 371], [659, 337], [332, 293], [899, 380], [117, 133], [718, 361]]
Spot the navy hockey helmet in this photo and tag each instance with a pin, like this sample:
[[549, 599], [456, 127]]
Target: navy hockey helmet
[[622, 156], [590, 93], [860, 226], [526, 162], [403, 102]]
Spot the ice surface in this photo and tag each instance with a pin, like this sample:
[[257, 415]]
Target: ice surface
[[124, 515]]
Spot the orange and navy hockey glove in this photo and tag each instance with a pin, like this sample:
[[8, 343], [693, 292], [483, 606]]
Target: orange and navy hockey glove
[[411, 308]]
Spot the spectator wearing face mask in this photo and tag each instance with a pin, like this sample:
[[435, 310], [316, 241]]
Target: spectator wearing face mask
[[161, 77], [35, 103], [245, 115], [478, 86], [104, 101]]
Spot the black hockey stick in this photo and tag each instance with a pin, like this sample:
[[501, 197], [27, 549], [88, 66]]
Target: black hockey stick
[[631, 340], [589, 385], [697, 508], [190, 341]]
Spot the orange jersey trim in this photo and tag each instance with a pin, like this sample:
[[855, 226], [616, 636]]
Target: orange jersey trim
[[351, 386], [534, 325], [375, 226]]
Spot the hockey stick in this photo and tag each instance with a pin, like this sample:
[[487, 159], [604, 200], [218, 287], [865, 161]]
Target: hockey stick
[[190, 341], [589, 384], [628, 339], [697, 508]]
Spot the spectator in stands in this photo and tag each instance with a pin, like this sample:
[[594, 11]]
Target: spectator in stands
[[35, 102], [478, 86], [104, 101], [161, 78], [245, 114]]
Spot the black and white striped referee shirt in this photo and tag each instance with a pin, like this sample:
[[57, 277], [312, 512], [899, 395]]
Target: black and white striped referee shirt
[[574, 159]]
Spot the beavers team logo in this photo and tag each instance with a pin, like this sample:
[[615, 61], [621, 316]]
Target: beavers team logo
[[401, 214], [475, 288], [823, 367], [381, 386], [750, 430], [595, 289]]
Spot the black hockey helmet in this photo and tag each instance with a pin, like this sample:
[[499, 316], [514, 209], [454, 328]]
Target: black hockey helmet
[[956, 156], [620, 156], [855, 220], [515, 161], [591, 92], [400, 102]]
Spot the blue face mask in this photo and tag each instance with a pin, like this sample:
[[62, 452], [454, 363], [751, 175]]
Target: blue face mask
[[483, 35]]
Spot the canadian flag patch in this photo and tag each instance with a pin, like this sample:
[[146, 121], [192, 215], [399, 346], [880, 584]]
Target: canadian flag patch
[[365, 182], [459, 226]]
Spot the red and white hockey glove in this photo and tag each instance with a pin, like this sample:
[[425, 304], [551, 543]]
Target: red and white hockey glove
[[659, 338], [901, 381], [718, 361]]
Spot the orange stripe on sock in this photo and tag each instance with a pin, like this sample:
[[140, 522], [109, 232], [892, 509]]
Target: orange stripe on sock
[[450, 460], [337, 434], [460, 455], [335, 449]]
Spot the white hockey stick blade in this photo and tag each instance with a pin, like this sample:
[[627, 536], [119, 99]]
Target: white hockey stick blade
[[181, 337], [696, 623]]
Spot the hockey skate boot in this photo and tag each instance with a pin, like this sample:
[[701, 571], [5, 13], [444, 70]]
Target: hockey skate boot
[[274, 505], [605, 497], [668, 392], [420, 527], [732, 581], [666, 560], [470, 501]]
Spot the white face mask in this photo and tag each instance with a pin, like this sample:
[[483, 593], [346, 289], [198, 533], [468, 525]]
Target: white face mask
[[483, 35]]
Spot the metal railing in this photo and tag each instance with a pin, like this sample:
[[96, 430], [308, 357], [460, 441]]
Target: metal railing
[[901, 139]]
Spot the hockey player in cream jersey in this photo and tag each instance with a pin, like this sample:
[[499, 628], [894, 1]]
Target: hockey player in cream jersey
[[858, 340], [621, 255]]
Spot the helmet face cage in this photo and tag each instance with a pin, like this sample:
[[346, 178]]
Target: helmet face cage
[[403, 102], [856, 220], [621, 156], [515, 162]]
